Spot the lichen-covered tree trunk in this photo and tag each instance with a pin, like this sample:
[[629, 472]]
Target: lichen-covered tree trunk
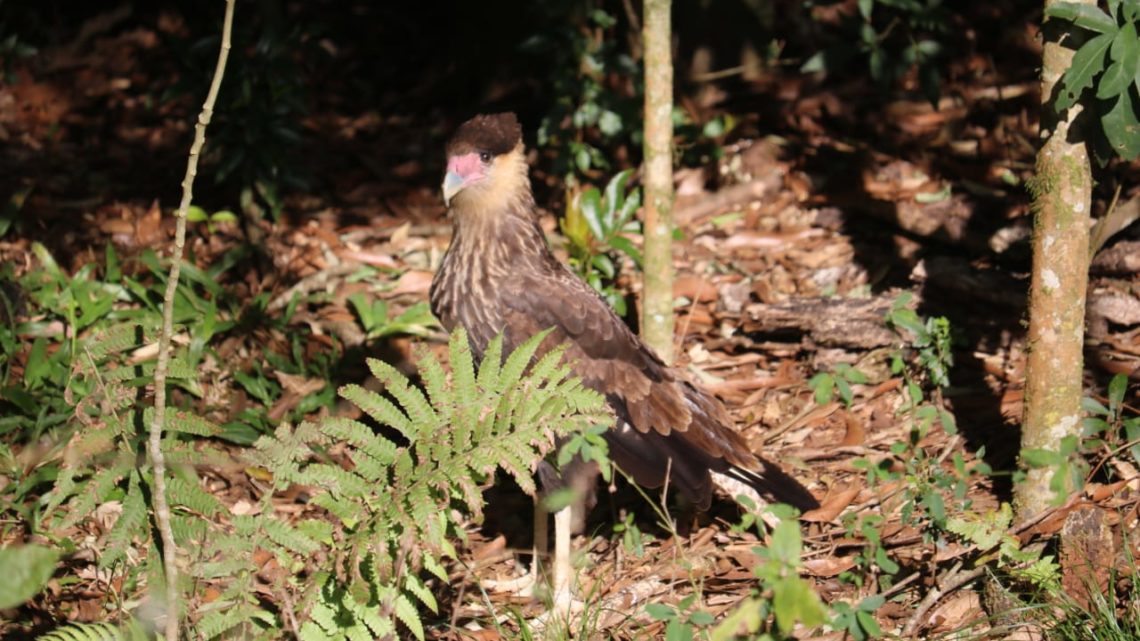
[[657, 296], [1062, 190]]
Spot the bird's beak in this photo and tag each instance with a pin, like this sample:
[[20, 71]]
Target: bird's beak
[[452, 184]]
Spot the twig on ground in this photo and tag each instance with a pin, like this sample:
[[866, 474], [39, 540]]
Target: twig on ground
[[161, 507], [951, 580]]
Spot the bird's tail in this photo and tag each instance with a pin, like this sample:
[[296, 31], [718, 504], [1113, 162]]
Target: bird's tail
[[766, 484]]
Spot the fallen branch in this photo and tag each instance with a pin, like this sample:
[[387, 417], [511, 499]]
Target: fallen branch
[[950, 581]]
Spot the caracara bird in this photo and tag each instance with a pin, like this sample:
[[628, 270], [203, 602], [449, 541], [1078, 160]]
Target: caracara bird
[[499, 276]]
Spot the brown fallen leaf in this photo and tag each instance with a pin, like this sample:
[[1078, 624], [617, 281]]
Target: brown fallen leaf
[[833, 504], [489, 549], [855, 434], [413, 281], [961, 611], [694, 288], [829, 566]]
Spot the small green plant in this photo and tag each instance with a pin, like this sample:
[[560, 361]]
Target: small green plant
[[596, 86], [1111, 616], [632, 538], [858, 620], [893, 36], [596, 226], [989, 532], [782, 599], [930, 338], [27, 569], [1107, 64], [415, 320], [682, 622], [873, 559], [393, 507], [1106, 431], [1106, 427], [196, 214], [826, 384]]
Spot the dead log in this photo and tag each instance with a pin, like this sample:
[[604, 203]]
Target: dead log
[[849, 323]]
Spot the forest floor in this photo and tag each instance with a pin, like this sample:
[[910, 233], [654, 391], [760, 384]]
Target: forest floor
[[828, 203]]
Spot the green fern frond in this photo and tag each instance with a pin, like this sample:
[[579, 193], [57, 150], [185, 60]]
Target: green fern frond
[[413, 402], [407, 613], [379, 408], [288, 537], [96, 490], [131, 523], [395, 505], [184, 422], [193, 497], [114, 339], [101, 631], [490, 368], [360, 436]]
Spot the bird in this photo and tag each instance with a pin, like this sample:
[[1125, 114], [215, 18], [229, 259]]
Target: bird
[[498, 275]]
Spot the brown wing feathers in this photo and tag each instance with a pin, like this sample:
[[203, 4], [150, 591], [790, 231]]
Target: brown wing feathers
[[665, 423]]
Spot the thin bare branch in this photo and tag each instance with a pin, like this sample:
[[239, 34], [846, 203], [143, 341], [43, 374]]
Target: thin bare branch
[[161, 507]]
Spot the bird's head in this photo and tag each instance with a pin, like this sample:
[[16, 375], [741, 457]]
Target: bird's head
[[485, 162]]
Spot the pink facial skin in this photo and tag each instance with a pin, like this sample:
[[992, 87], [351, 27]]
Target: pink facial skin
[[468, 166]]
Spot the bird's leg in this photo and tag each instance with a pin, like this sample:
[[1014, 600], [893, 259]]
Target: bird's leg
[[563, 571]]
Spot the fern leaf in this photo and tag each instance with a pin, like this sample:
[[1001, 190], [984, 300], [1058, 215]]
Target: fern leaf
[[189, 529], [408, 615], [217, 622], [130, 523], [379, 408], [434, 378], [490, 368], [286, 536], [432, 564], [348, 513], [411, 399], [184, 422], [193, 497], [334, 478], [519, 359], [101, 631], [415, 585], [549, 369], [361, 436], [112, 340], [463, 367]]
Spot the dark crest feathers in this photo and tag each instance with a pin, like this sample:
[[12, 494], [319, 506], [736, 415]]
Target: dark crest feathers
[[493, 133]]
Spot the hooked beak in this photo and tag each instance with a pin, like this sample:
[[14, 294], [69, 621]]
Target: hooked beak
[[452, 184]]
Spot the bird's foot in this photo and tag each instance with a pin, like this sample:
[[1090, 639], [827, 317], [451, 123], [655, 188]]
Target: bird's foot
[[522, 586]]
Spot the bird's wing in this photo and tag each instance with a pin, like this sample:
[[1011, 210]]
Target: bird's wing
[[601, 348]]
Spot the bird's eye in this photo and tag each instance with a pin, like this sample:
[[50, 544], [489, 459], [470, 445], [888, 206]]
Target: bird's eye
[[485, 156]]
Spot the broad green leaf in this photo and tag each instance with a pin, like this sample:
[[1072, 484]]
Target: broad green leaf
[[1122, 128], [590, 203], [660, 611], [626, 246], [1041, 458], [610, 123], [1088, 61], [195, 214], [27, 569], [1093, 406], [1082, 15], [1115, 80], [794, 601], [615, 194], [1116, 389]]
